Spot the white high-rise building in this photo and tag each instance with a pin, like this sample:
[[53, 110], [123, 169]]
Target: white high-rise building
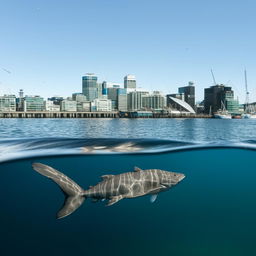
[[134, 100], [68, 105], [103, 105], [153, 101], [130, 82], [50, 106]]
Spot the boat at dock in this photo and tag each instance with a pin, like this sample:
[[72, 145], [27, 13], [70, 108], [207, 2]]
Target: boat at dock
[[222, 113], [248, 116], [249, 112], [237, 116]]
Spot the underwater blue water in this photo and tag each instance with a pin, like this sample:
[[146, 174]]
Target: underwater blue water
[[211, 212]]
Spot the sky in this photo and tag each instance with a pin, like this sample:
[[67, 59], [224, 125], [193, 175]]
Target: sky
[[47, 46]]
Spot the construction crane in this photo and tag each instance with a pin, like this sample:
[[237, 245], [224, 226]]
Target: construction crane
[[213, 77], [246, 89]]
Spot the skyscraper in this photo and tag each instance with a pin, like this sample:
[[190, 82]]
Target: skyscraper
[[215, 96], [104, 88], [189, 94], [153, 101], [134, 100], [113, 96], [122, 99], [130, 82], [90, 86]]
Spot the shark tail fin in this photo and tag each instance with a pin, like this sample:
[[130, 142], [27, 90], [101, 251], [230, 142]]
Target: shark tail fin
[[73, 192]]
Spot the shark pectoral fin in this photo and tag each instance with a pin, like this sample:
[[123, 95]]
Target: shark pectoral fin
[[164, 185], [106, 177], [70, 205], [153, 198], [137, 169], [114, 200]]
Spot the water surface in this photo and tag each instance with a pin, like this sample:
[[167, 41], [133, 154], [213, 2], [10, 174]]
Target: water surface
[[198, 130], [211, 212]]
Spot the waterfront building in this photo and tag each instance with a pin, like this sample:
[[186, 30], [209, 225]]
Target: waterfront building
[[181, 106], [143, 114], [56, 100], [172, 104], [232, 105], [90, 86], [122, 99], [50, 106], [99, 90], [68, 105], [155, 101], [113, 96], [102, 105], [189, 94], [215, 96], [84, 106], [130, 82], [134, 100], [8, 103], [33, 103], [79, 97], [104, 88], [113, 85], [251, 106], [200, 107], [20, 101]]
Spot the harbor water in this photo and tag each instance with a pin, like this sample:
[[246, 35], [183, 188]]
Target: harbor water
[[211, 212]]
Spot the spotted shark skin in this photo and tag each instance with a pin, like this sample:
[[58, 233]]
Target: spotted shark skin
[[112, 187]]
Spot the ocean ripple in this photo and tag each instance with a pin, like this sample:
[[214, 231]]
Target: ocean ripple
[[14, 149]]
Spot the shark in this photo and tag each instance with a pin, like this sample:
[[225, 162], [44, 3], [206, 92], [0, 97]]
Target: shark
[[112, 188]]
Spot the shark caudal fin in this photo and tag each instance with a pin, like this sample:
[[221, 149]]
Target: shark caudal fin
[[73, 192]]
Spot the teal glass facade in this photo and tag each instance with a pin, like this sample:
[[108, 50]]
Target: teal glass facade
[[34, 103], [90, 87]]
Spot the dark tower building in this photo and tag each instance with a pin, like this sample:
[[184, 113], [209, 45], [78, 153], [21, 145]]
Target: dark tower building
[[189, 94], [104, 88], [214, 95], [20, 101]]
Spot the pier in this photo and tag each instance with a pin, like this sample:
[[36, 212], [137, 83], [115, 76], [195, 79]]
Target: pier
[[47, 114], [112, 114]]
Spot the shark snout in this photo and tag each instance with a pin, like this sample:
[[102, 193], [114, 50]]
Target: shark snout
[[181, 176]]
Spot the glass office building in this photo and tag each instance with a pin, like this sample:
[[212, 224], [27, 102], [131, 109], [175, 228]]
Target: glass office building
[[90, 86], [33, 103], [215, 96], [130, 82], [8, 103], [122, 99], [189, 94]]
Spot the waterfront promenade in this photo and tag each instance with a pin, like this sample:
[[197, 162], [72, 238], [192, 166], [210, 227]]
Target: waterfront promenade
[[113, 114]]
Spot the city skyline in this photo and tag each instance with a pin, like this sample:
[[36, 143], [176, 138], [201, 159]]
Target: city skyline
[[51, 44]]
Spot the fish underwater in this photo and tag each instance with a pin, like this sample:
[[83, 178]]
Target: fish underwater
[[112, 187]]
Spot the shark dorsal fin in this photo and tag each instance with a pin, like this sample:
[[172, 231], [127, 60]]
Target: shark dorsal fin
[[137, 169], [106, 177]]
